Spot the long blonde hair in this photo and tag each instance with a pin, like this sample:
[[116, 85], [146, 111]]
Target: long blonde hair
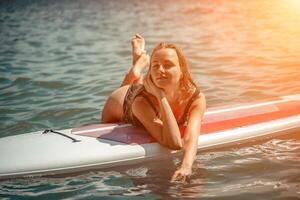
[[187, 85]]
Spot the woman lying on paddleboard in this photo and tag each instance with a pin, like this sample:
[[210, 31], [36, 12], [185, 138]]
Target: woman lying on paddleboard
[[166, 101]]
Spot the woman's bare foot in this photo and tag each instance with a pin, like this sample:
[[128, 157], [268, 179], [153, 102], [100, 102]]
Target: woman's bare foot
[[139, 61], [134, 75], [139, 57], [138, 47]]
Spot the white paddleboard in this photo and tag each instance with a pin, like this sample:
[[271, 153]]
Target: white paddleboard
[[104, 145]]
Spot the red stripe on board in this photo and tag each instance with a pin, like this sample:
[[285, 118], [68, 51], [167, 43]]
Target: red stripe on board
[[238, 113], [285, 109]]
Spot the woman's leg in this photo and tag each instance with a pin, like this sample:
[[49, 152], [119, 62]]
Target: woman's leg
[[134, 75], [139, 61], [113, 108]]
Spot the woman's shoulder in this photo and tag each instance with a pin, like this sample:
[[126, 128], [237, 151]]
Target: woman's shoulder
[[199, 101], [197, 95]]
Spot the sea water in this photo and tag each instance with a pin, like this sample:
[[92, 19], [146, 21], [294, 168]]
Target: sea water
[[59, 61]]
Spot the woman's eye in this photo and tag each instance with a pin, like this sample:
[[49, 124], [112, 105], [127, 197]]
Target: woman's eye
[[168, 65]]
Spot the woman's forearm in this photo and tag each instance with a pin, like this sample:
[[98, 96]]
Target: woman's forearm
[[190, 152], [170, 131]]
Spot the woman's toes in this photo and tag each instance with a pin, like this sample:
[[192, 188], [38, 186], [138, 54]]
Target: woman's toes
[[138, 47], [138, 44]]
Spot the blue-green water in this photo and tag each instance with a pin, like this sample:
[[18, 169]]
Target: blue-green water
[[59, 60]]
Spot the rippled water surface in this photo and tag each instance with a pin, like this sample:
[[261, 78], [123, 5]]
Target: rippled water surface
[[59, 60]]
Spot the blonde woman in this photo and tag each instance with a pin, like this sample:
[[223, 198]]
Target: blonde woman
[[166, 101]]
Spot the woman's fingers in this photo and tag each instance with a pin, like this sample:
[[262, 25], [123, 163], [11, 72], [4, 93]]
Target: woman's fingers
[[145, 82], [174, 177], [137, 37], [148, 85], [180, 176]]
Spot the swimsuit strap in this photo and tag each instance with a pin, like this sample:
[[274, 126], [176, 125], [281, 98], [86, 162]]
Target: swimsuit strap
[[188, 105]]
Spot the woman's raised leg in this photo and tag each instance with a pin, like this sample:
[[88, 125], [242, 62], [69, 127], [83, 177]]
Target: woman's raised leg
[[139, 61], [113, 108]]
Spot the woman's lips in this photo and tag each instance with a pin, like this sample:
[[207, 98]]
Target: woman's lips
[[161, 78]]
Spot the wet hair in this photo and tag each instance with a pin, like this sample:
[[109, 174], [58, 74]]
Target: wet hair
[[187, 85]]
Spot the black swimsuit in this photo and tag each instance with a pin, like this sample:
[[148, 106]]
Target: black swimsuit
[[136, 90]]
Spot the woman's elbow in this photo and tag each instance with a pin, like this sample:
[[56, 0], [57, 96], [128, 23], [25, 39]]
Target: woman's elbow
[[175, 146]]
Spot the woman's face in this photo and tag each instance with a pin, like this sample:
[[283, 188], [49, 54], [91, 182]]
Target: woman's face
[[164, 68]]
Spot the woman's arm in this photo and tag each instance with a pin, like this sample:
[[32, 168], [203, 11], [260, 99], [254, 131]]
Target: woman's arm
[[170, 129], [166, 130], [190, 140]]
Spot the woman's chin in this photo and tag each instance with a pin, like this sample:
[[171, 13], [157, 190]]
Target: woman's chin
[[160, 86], [159, 82], [164, 86]]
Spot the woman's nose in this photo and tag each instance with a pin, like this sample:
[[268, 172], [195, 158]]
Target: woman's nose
[[161, 68]]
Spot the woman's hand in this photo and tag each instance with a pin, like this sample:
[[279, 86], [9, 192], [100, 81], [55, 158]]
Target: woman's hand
[[182, 175], [152, 88]]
